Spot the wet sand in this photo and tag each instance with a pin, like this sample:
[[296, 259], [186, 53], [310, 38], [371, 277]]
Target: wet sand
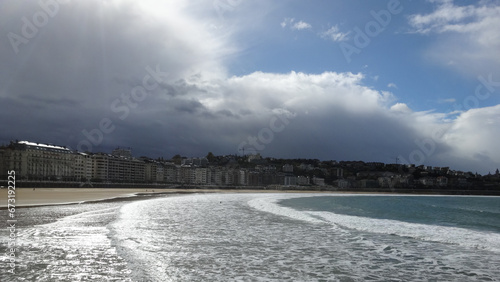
[[27, 197], [55, 196]]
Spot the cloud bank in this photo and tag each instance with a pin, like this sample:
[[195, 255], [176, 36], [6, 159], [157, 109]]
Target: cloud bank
[[469, 39], [88, 62]]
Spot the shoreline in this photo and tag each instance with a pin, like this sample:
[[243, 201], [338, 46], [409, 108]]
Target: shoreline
[[38, 197]]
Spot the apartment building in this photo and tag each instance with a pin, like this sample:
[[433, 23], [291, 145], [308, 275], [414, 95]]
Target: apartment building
[[171, 173], [121, 169], [83, 166], [154, 171], [37, 161]]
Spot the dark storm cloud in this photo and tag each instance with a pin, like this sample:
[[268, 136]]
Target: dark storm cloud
[[78, 81], [86, 56], [188, 106], [227, 113]]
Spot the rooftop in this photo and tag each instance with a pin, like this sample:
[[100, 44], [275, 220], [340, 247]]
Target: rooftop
[[43, 145]]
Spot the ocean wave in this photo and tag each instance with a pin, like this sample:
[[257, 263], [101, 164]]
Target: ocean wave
[[270, 204], [488, 241]]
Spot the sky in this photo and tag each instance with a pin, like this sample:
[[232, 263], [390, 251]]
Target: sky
[[378, 81]]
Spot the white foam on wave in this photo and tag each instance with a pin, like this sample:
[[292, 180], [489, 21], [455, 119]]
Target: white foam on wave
[[269, 203], [72, 248], [135, 242], [469, 238], [215, 237], [488, 241]]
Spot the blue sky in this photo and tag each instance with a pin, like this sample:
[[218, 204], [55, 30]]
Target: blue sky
[[398, 55], [270, 77]]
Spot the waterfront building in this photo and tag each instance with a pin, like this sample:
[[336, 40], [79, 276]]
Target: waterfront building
[[229, 177], [290, 180], [83, 167], [37, 161], [171, 173], [303, 180], [217, 175], [342, 183], [187, 175], [254, 178], [153, 171], [200, 175], [270, 178], [243, 177], [100, 166], [318, 181], [117, 168]]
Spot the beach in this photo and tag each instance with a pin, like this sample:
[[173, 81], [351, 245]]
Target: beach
[[165, 235], [29, 197], [26, 197]]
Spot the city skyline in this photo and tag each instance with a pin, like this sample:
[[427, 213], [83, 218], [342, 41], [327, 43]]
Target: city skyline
[[188, 160], [44, 164], [363, 80]]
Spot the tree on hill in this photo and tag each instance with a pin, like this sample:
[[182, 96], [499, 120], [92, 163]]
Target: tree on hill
[[210, 157], [177, 159]]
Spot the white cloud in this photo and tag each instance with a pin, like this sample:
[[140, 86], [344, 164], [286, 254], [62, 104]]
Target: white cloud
[[401, 107], [335, 34], [201, 108], [392, 85], [287, 21], [301, 25], [474, 136], [300, 90], [469, 40], [444, 18]]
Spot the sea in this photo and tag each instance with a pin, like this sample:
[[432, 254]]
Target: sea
[[258, 237]]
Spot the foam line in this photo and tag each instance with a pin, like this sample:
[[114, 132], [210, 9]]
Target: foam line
[[452, 235]]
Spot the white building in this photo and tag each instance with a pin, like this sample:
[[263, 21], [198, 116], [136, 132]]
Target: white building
[[318, 181], [290, 180], [200, 175], [303, 180]]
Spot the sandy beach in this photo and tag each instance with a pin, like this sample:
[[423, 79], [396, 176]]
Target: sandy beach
[[29, 197], [56, 196]]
